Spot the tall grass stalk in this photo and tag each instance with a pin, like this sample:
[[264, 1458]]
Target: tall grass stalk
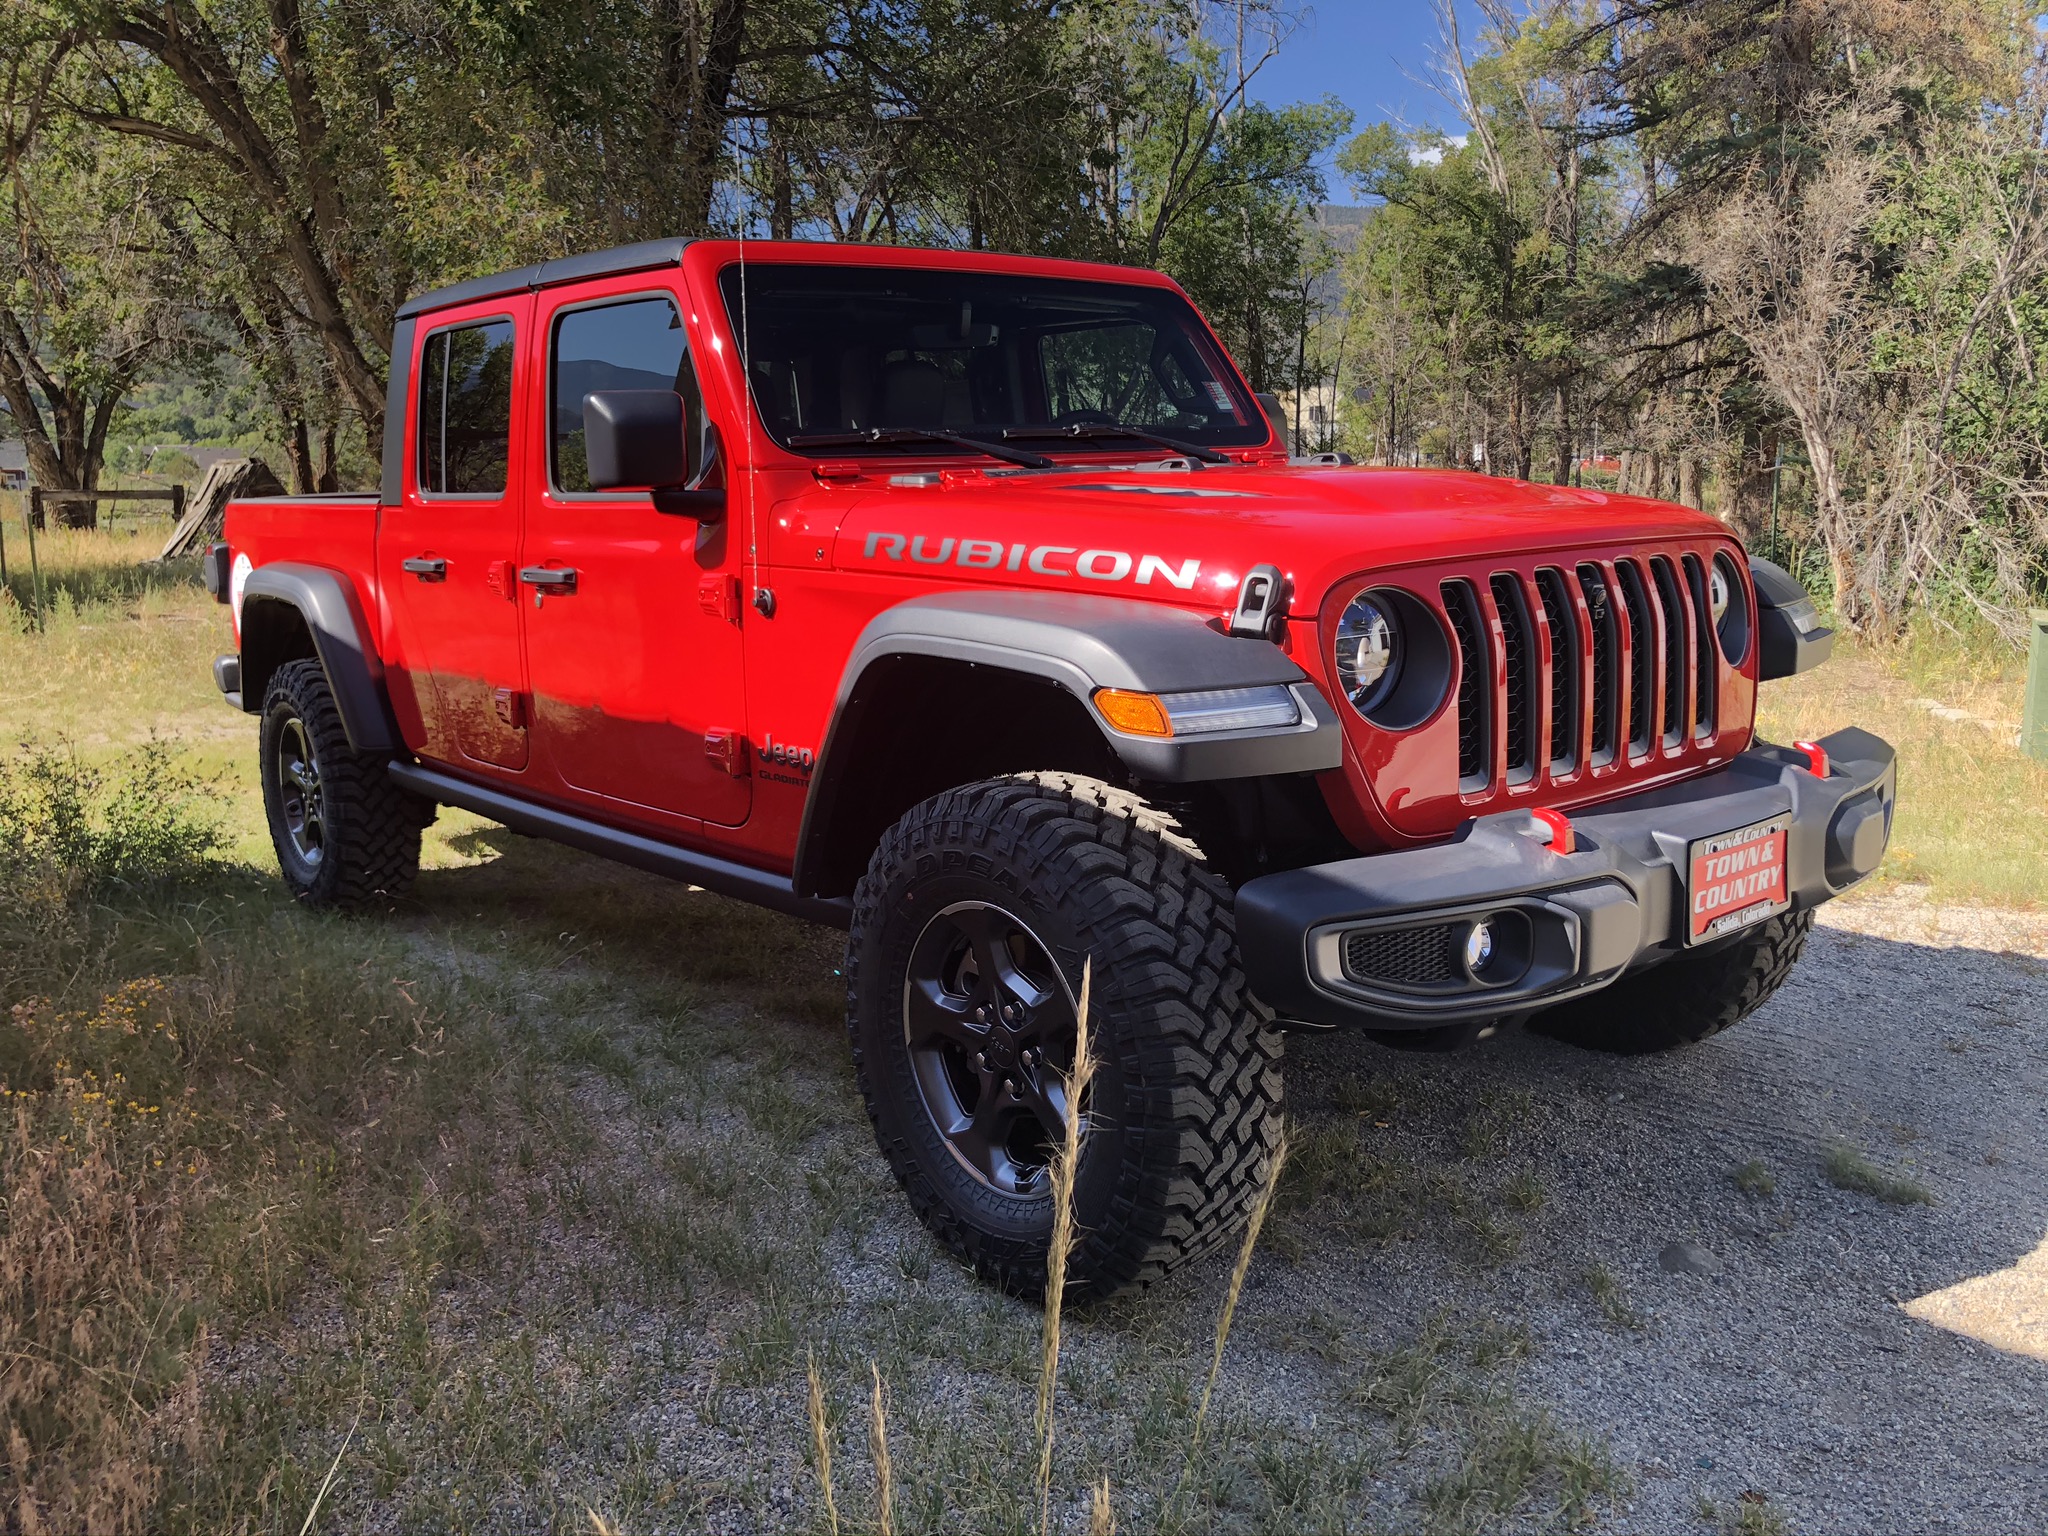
[[878, 1440], [1244, 1263], [1063, 1171], [1101, 1518], [821, 1442]]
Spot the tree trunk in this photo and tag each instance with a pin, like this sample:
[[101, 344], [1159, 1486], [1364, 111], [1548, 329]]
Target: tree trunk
[[1689, 481]]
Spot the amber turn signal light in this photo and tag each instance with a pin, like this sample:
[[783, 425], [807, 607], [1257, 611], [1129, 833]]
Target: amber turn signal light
[[1135, 714]]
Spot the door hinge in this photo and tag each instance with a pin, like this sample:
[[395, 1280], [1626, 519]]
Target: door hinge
[[719, 596], [511, 707], [727, 751]]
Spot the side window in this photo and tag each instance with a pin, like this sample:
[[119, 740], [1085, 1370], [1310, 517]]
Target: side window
[[635, 344], [465, 432]]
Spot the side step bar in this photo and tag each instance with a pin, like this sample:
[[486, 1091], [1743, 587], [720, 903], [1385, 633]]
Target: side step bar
[[713, 874]]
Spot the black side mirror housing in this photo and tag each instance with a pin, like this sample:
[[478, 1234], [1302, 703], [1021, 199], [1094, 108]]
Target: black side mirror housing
[[637, 439], [1792, 637]]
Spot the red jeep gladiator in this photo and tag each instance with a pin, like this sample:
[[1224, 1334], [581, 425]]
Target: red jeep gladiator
[[971, 603]]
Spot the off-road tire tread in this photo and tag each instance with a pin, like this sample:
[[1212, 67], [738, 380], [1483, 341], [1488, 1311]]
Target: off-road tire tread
[[1687, 999], [373, 834], [1198, 1049]]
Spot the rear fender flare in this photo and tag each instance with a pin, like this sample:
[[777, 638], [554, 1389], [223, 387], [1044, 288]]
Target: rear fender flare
[[332, 613], [1078, 644]]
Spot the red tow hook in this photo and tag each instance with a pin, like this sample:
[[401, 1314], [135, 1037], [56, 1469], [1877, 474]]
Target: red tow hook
[[1562, 838], [1816, 757]]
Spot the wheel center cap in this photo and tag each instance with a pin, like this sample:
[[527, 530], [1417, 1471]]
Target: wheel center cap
[[1001, 1053]]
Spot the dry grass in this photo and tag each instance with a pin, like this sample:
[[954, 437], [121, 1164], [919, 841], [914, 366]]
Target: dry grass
[[1972, 820], [552, 1176]]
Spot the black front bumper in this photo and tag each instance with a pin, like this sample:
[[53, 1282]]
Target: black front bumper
[[1562, 924]]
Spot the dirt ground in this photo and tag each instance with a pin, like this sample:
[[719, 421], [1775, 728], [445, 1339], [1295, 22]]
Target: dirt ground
[[1516, 1288], [1794, 1370]]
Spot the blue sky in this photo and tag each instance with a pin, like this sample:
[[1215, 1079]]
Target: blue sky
[[1371, 55]]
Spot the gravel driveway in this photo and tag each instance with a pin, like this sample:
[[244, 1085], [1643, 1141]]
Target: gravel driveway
[[1726, 1342]]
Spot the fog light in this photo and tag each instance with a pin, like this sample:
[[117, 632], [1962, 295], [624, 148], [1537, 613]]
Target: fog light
[[1478, 947]]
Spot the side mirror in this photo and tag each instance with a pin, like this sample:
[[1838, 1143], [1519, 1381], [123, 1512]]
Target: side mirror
[[1275, 415], [641, 438]]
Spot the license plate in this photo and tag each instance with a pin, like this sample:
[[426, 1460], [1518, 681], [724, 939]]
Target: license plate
[[1735, 879]]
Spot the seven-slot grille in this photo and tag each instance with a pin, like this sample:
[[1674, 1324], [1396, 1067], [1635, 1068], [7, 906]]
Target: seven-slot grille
[[1632, 665]]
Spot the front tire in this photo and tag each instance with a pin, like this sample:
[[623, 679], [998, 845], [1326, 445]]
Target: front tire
[[1686, 999], [345, 835], [965, 959]]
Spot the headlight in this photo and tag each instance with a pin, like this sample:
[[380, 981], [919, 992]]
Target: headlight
[[1368, 652], [1725, 597]]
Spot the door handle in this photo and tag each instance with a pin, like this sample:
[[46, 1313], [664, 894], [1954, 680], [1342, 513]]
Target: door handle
[[549, 578], [424, 568]]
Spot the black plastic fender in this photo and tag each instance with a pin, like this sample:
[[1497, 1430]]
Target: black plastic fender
[[1080, 644], [326, 601]]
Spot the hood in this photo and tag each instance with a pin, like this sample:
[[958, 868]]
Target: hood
[[1188, 536]]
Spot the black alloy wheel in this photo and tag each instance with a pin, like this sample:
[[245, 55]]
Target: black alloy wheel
[[298, 794], [978, 916], [345, 834], [991, 1029]]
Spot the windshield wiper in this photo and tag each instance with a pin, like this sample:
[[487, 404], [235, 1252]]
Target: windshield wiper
[[882, 436], [1092, 431]]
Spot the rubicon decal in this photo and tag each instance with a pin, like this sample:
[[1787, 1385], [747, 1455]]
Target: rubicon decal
[[1105, 565]]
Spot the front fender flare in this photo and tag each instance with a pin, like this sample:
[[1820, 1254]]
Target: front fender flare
[[1080, 644], [333, 614]]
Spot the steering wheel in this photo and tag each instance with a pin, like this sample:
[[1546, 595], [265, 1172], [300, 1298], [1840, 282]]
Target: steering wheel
[[1078, 418]]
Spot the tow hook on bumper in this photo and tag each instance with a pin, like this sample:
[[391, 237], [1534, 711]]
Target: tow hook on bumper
[[1495, 922]]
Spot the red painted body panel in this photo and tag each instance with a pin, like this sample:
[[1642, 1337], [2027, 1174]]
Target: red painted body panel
[[627, 678]]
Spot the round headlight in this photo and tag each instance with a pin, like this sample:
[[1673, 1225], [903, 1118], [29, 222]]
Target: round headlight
[[1368, 652], [1730, 605], [1717, 592]]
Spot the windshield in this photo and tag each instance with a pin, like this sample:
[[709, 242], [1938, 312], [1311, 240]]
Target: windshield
[[843, 350]]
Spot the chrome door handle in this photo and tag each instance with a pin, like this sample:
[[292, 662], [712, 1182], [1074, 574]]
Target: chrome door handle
[[425, 568], [549, 578]]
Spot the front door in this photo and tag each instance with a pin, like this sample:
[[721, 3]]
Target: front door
[[634, 661], [446, 555]]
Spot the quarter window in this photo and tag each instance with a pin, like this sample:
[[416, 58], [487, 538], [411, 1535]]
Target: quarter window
[[465, 430], [638, 344]]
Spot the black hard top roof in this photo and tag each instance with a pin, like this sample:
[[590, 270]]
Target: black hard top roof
[[643, 257]]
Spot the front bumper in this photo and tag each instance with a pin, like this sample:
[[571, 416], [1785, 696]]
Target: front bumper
[[1378, 941]]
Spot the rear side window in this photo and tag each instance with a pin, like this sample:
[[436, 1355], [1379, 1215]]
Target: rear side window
[[465, 432], [636, 344]]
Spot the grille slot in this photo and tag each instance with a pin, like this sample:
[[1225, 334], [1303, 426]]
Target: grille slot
[[1461, 607], [1642, 644], [1519, 653], [1606, 650], [1561, 626], [1705, 649], [1677, 648], [1407, 957]]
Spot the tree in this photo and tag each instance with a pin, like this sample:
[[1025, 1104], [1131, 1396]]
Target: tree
[[86, 300]]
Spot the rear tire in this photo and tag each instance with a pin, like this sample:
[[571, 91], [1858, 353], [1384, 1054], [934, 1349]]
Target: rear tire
[[1022, 879], [345, 835], [1686, 999]]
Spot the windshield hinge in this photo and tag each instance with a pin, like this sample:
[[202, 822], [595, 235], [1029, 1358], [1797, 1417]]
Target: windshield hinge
[[1262, 602]]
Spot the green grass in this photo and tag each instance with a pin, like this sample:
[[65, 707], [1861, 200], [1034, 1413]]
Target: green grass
[[538, 1191], [1847, 1168], [1972, 818], [1754, 1178]]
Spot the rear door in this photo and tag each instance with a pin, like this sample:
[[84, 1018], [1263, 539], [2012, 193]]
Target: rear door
[[635, 664], [447, 553]]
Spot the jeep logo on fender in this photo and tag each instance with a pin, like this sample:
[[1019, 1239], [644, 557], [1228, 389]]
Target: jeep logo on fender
[[1041, 559]]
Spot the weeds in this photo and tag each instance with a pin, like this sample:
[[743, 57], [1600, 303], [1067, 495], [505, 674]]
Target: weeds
[[1754, 1179], [1849, 1169], [1608, 1295]]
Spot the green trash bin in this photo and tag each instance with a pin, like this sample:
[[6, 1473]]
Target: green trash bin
[[2034, 723]]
